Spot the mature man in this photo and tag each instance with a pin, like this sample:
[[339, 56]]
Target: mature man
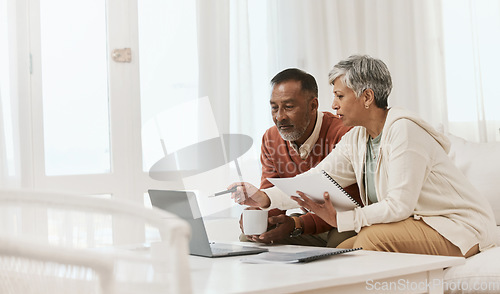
[[301, 138]]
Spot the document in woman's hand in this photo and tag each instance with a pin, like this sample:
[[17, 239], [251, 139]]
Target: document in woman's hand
[[314, 185]]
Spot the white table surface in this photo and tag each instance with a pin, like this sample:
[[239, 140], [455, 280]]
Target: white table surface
[[349, 272]]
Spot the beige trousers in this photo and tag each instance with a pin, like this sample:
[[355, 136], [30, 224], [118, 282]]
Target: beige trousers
[[407, 236]]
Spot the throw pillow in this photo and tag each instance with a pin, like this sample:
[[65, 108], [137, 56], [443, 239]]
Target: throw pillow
[[480, 162]]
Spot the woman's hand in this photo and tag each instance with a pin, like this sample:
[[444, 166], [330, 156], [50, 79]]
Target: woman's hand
[[323, 209], [248, 194]]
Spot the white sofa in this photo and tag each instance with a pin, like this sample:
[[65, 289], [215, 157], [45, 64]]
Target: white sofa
[[480, 162]]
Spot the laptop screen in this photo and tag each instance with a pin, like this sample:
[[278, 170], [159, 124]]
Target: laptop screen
[[184, 205]]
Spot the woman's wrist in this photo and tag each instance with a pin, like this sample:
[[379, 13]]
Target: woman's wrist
[[265, 200]]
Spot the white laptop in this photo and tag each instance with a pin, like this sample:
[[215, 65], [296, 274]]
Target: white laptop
[[185, 205]]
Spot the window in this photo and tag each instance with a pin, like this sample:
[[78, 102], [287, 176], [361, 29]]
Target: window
[[75, 87], [7, 153], [472, 61], [91, 125]]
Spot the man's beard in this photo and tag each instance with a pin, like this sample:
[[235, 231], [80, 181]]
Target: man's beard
[[297, 133]]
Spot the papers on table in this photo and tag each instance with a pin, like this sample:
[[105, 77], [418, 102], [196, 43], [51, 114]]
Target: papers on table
[[295, 257]]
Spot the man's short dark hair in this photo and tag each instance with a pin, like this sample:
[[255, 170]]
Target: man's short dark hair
[[307, 81]]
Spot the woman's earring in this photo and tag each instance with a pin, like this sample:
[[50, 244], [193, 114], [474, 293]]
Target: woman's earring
[[367, 106]]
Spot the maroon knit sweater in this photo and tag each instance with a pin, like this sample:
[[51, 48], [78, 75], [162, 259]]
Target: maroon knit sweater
[[280, 160]]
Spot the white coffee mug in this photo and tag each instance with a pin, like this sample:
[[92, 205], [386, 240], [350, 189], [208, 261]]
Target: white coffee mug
[[254, 221]]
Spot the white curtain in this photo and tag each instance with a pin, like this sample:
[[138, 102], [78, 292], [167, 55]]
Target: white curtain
[[213, 50], [420, 41], [404, 34], [269, 36], [314, 35]]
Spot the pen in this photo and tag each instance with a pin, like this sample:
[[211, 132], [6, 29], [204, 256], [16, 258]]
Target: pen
[[233, 189]]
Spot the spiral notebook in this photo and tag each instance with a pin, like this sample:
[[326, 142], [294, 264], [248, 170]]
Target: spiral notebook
[[314, 185], [295, 257]]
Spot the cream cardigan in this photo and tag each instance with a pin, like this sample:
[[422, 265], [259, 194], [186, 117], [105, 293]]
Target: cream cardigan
[[414, 177]]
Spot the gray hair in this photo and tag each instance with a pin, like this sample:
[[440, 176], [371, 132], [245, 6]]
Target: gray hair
[[361, 72]]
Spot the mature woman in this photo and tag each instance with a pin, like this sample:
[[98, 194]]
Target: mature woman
[[415, 199]]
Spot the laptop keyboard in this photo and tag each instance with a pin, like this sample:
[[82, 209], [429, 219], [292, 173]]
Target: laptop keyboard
[[222, 248], [218, 250]]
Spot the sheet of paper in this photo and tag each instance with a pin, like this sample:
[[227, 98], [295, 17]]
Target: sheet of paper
[[294, 257], [314, 185]]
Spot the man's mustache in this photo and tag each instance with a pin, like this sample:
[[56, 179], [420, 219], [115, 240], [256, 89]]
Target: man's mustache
[[284, 123]]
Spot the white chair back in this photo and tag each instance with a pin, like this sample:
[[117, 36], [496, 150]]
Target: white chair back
[[64, 243]]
